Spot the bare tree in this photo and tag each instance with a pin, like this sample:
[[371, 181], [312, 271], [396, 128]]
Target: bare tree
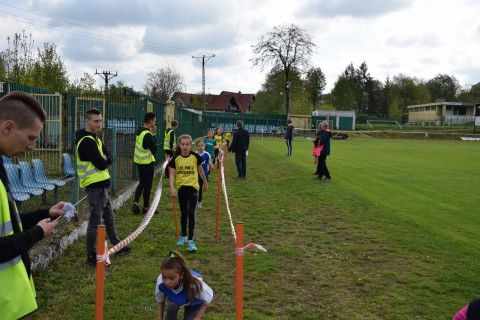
[[163, 82], [287, 48]]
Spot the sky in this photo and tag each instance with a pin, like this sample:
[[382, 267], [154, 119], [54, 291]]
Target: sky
[[418, 38]]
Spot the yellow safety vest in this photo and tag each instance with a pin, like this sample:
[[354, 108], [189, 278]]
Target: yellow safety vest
[[140, 155], [17, 292], [166, 141], [87, 172]]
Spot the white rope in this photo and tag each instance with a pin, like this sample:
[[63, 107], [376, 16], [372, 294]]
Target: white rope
[[146, 219], [224, 188]]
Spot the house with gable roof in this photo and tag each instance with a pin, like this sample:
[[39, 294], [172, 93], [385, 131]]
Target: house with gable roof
[[226, 101]]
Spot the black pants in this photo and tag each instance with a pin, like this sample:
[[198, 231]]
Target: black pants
[[322, 169], [200, 183], [145, 173], [241, 163], [187, 198], [289, 146]]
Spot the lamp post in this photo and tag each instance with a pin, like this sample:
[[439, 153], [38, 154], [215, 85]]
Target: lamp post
[[288, 86]]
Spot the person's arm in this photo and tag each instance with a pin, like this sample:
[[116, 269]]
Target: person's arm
[[171, 177], [206, 297], [172, 139], [203, 176], [88, 151], [233, 145], [37, 225], [247, 138], [149, 143], [160, 310]]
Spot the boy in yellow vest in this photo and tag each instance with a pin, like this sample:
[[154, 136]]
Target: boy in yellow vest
[[21, 121], [144, 157], [92, 162]]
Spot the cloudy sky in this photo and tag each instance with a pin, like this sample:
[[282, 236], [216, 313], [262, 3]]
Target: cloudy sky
[[420, 38]]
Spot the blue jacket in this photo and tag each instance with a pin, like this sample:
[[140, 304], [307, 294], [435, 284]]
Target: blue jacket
[[323, 139]]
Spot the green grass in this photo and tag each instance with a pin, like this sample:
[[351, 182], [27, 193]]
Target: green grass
[[393, 236]]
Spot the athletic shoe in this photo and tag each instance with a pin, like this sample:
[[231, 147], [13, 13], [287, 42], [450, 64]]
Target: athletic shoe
[[135, 209], [191, 246], [181, 241], [327, 180], [199, 205], [123, 251], [91, 260]]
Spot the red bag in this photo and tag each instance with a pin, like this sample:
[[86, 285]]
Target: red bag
[[317, 150]]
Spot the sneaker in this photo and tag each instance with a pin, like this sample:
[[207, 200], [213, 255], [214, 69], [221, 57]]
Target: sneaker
[[199, 205], [191, 246], [123, 251], [327, 180], [135, 209], [91, 260], [181, 241]]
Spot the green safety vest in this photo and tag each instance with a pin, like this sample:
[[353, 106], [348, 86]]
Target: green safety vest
[[17, 292], [166, 141], [140, 155], [87, 172]]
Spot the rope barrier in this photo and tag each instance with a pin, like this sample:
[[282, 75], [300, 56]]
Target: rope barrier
[[146, 218], [225, 195]]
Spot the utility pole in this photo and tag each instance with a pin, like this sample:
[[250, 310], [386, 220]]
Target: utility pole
[[204, 59], [106, 75]]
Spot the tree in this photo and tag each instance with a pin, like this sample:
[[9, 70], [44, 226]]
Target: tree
[[443, 86], [18, 58], [342, 95], [361, 85], [287, 48], [86, 84], [49, 71], [315, 83], [163, 82]]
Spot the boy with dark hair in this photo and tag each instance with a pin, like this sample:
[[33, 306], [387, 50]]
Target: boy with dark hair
[[289, 137], [92, 162], [144, 157], [169, 142]]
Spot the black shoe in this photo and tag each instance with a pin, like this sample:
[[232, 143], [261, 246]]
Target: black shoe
[[123, 251], [135, 209], [91, 260], [145, 210]]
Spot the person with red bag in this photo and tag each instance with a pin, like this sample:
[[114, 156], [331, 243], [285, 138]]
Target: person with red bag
[[322, 146]]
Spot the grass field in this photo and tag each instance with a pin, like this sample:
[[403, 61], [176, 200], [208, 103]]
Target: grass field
[[393, 236]]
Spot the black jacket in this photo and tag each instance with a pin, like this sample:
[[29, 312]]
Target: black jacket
[[88, 151], [241, 140], [148, 141], [20, 242], [289, 133]]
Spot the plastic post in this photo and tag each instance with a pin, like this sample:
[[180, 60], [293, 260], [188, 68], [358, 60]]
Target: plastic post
[[100, 276], [239, 273]]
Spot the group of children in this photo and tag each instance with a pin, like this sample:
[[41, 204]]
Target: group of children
[[188, 178]]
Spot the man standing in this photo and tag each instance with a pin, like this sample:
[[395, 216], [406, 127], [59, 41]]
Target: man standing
[[92, 161], [145, 149], [21, 120], [241, 140], [169, 142], [289, 137]]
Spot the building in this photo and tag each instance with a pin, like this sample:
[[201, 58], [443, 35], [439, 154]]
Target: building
[[339, 119], [441, 113], [226, 101]]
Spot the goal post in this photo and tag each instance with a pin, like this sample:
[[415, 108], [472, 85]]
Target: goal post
[[384, 124]]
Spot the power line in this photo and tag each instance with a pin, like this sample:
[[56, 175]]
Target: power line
[[160, 48]]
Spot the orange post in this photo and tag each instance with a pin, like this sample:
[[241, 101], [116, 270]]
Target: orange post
[[100, 280], [219, 185], [239, 273], [174, 203]]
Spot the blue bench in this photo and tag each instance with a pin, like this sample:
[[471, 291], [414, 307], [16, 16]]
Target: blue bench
[[20, 193], [27, 180]]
